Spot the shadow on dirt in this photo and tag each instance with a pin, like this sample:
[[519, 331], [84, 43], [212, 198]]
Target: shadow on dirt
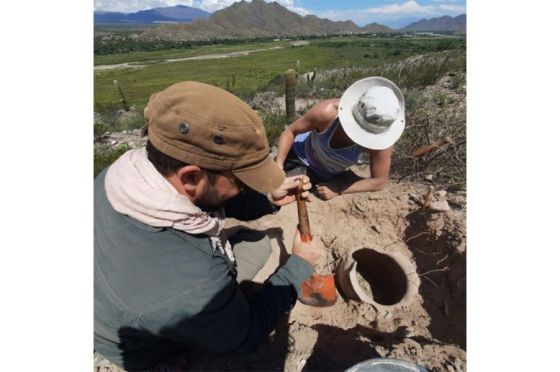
[[358, 344], [442, 271], [269, 356]]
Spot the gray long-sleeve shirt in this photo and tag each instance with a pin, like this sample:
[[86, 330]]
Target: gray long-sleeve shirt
[[158, 290]]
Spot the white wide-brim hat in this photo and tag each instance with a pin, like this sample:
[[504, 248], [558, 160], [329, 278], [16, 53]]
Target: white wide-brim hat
[[371, 112]]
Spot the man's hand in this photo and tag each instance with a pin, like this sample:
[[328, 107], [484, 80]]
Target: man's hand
[[326, 190], [285, 194], [309, 251]]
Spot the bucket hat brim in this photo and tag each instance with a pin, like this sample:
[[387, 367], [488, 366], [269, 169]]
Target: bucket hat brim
[[364, 138]]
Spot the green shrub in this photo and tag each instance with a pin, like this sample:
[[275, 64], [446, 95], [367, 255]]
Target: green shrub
[[274, 124], [108, 115], [133, 120], [112, 118], [458, 80], [105, 155], [99, 129], [443, 99], [102, 107], [423, 70]]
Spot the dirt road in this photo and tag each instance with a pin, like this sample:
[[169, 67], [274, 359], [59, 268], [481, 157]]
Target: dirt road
[[196, 58]]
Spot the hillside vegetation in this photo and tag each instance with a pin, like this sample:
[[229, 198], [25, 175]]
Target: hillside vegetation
[[430, 71], [254, 73]]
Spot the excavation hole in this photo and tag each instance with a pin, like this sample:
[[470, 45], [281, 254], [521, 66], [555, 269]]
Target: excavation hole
[[380, 276]]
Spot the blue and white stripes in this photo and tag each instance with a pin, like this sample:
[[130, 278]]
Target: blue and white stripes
[[313, 148]]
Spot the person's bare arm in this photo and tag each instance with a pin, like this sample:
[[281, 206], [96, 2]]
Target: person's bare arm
[[379, 166], [318, 118]]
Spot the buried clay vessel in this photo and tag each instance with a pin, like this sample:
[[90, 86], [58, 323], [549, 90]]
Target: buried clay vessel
[[386, 280]]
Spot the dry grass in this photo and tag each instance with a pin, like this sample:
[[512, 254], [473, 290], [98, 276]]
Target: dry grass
[[414, 72], [434, 86], [432, 113]]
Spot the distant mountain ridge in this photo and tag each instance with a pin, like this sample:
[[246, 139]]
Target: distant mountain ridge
[[173, 14], [446, 23], [257, 19]]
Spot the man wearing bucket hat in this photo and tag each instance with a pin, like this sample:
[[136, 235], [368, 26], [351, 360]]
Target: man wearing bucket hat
[[165, 275], [330, 137]]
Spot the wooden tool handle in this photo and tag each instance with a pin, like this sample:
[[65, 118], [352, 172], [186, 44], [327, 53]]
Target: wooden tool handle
[[303, 217], [428, 197]]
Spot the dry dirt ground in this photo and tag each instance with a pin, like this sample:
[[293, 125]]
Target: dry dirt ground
[[430, 330]]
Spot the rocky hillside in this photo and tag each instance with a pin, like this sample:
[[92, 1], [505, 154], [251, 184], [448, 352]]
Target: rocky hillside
[[376, 27], [441, 24], [256, 19]]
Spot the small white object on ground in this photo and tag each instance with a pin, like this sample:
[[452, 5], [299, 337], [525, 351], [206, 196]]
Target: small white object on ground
[[439, 206]]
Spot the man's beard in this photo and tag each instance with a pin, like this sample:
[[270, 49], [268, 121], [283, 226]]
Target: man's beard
[[209, 201]]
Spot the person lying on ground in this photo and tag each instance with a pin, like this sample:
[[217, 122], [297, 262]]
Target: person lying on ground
[[165, 275], [331, 136]]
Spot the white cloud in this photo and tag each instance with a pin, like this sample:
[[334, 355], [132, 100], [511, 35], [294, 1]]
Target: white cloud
[[300, 11], [387, 14], [291, 5], [409, 7], [212, 5], [129, 6], [456, 9]]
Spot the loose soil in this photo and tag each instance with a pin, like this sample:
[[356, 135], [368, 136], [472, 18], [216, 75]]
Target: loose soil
[[430, 330]]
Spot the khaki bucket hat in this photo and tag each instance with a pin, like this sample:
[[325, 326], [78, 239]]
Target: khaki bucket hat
[[203, 125], [371, 112]]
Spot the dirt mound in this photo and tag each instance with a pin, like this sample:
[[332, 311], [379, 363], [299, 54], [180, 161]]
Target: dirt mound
[[430, 330]]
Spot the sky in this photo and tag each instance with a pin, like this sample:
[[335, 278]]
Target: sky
[[393, 13]]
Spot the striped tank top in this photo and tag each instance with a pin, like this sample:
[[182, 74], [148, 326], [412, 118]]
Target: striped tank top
[[314, 150]]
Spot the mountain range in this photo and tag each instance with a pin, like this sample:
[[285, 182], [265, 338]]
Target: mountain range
[[258, 19], [446, 23], [173, 14]]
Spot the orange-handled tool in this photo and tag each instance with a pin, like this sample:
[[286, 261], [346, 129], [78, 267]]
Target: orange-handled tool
[[319, 290]]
